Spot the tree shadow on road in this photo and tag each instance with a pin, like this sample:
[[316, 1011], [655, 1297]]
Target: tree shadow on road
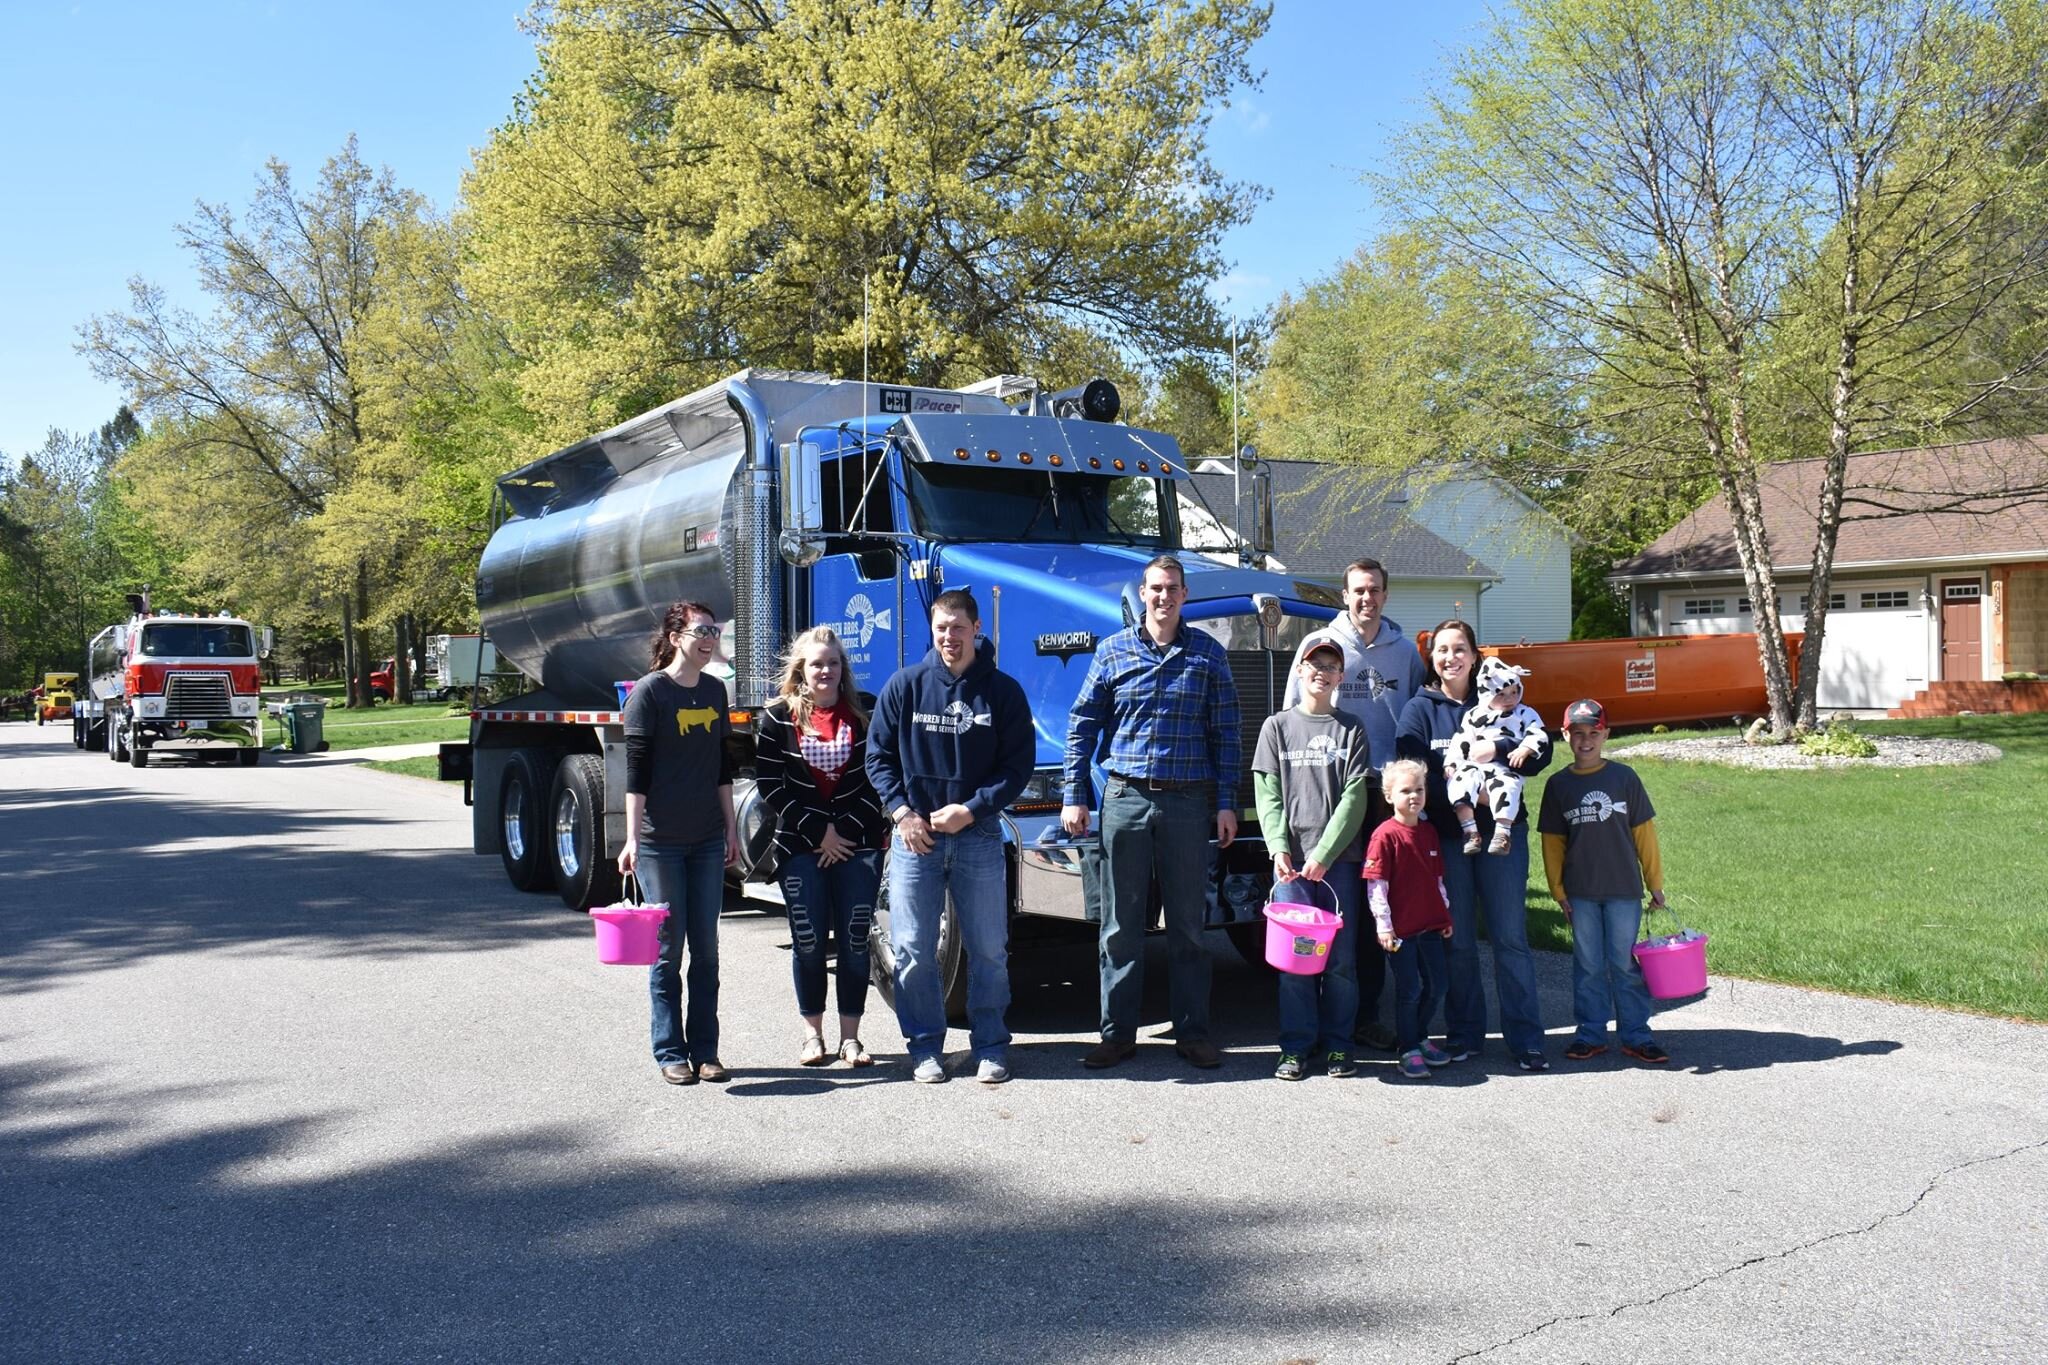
[[130, 1235], [96, 878]]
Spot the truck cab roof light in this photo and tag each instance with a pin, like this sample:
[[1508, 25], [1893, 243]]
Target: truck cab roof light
[[1054, 460], [1023, 457], [994, 455], [1117, 464], [960, 453]]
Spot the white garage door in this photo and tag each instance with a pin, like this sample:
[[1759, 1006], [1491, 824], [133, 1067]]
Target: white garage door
[[1876, 651]]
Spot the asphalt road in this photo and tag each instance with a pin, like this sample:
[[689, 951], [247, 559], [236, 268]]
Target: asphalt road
[[287, 1074]]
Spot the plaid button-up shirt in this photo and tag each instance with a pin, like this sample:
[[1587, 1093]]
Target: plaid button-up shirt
[[1170, 714]]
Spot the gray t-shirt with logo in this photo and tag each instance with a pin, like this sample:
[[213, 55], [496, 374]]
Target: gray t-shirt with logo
[[1315, 758], [1597, 813]]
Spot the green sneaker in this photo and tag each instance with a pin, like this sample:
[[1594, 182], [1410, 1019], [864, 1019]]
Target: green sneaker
[[1290, 1068], [1340, 1064]]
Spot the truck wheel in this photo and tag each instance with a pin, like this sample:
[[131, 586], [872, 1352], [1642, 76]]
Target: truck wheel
[[138, 754], [249, 757], [520, 842], [117, 740], [576, 834], [951, 957]]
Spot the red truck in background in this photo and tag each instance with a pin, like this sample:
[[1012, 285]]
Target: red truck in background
[[452, 661], [173, 682]]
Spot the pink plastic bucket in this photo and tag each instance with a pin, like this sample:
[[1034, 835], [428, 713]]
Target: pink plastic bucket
[[1298, 937], [628, 935], [1674, 966]]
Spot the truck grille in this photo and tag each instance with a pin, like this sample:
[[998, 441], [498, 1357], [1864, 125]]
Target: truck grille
[[1261, 678], [197, 696]]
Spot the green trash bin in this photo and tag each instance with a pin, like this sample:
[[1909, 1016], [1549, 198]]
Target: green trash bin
[[303, 724]]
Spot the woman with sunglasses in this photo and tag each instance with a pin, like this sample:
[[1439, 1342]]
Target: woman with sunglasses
[[681, 834]]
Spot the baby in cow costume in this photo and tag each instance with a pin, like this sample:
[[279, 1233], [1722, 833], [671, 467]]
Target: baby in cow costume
[[1516, 733]]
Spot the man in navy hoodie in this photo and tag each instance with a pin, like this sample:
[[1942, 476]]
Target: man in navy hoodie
[[950, 746]]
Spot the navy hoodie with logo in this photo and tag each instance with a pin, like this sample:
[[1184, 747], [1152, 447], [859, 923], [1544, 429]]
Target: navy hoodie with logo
[[937, 740]]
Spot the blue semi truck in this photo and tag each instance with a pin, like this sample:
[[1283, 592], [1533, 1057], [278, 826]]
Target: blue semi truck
[[785, 500]]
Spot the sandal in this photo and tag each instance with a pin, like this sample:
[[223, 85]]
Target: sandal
[[853, 1054], [813, 1053]]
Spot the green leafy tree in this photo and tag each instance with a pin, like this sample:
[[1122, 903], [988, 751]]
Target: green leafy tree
[[1707, 207], [256, 414], [927, 190]]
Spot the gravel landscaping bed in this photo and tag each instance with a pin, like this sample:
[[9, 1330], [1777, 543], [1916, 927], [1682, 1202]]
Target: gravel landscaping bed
[[1893, 751]]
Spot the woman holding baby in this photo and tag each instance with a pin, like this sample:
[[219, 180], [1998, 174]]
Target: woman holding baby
[[1492, 883]]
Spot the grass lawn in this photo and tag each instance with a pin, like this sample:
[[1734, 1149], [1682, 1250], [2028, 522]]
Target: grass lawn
[[1913, 884], [427, 766], [386, 724]]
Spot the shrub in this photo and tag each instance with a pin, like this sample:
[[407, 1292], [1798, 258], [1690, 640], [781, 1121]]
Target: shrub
[[1838, 739]]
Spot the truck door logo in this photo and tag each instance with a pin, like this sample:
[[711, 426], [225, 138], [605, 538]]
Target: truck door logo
[[862, 621], [1064, 645], [896, 400]]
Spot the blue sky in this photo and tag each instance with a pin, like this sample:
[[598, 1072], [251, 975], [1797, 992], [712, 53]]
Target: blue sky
[[117, 117]]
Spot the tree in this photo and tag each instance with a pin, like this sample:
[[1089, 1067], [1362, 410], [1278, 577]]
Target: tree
[[1706, 207], [255, 415], [927, 190]]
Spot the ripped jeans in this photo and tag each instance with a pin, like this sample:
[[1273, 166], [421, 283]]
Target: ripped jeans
[[840, 901]]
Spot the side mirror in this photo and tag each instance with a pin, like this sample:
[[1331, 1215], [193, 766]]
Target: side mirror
[[803, 503], [1262, 512], [266, 641], [120, 639]]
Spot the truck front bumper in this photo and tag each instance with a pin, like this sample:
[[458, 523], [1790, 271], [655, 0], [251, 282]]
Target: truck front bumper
[[202, 734]]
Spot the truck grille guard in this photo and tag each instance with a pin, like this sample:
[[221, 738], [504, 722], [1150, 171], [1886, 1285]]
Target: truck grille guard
[[198, 696]]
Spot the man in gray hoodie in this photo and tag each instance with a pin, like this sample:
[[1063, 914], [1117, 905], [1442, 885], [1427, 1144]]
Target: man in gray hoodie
[[1382, 670]]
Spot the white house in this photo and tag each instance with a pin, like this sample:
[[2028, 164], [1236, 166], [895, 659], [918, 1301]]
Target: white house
[[1939, 575], [1456, 542]]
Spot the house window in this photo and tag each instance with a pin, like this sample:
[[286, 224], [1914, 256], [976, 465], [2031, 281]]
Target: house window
[[1742, 605], [1704, 606], [1883, 600], [1961, 592], [1836, 602]]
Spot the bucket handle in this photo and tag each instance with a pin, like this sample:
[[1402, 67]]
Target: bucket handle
[[1643, 925], [1322, 886], [631, 890]]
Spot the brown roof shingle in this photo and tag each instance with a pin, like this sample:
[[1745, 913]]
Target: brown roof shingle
[[1972, 500]]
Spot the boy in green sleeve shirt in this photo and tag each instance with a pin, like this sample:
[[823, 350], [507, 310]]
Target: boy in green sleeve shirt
[[1599, 854], [1311, 776]]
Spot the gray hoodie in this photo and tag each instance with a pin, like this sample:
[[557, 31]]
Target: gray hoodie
[[1379, 678]]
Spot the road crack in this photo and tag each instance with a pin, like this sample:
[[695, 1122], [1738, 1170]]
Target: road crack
[[1842, 1234]]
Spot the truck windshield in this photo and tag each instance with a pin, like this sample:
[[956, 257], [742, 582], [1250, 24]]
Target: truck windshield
[[196, 639], [961, 502]]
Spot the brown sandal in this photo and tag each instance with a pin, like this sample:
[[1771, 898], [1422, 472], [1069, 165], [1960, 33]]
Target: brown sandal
[[853, 1054], [813, 1053]]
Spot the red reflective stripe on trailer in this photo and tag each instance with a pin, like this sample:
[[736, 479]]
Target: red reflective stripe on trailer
[[552, 717]]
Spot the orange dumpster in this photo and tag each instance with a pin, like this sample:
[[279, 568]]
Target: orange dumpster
[[1646, 680]]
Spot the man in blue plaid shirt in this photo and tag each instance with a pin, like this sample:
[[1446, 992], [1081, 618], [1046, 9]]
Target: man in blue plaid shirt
[[1161, 693]]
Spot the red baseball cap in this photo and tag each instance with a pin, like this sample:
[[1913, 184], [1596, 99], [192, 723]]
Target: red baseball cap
[[1585, 711]]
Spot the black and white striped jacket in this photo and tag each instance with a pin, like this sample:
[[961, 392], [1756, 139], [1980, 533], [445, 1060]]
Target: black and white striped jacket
[[801, 814]]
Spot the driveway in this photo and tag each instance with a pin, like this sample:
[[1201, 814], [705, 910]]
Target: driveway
[[286, 1073]]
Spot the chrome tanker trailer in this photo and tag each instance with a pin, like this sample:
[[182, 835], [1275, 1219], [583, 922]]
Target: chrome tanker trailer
[[784, 500]]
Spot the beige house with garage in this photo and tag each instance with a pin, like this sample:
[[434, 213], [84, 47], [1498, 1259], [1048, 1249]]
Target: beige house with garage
[[1940, 584]]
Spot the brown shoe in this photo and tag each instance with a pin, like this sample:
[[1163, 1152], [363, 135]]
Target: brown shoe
[[1108, 1053], [679, 1073], [711, 1071], [1201, 1052]]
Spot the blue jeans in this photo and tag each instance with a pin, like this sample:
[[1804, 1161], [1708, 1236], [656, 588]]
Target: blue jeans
[[1607, 983], [690, 878], [1420, 967], [1496, 886], [1319, 1011], [840, 901], [1160, 836], [970, 865]]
